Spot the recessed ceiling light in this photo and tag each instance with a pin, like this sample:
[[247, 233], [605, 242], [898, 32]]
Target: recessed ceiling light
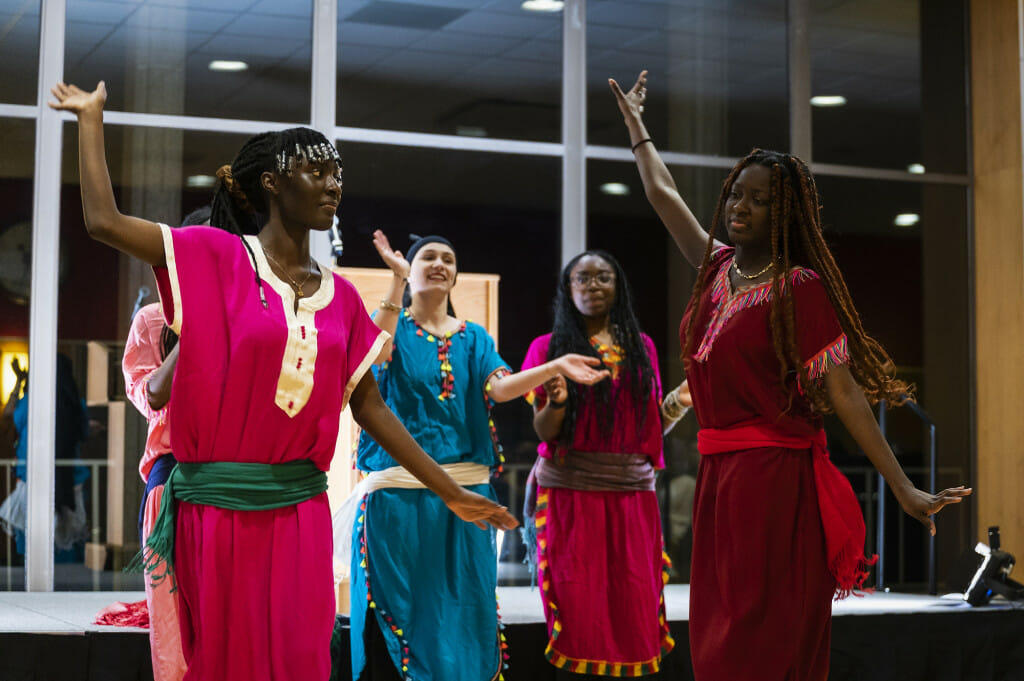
[[615, 189], [907, 219], [470, 131], [543, 5], [828, 100], [200, 181], [228, 65], [915, 168]]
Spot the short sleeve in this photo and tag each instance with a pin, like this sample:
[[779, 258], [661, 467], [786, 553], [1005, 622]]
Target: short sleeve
[[486, 360], [365, 340], [820, 336], [652, 354], [142, 358], [193, 257], [536, 355]]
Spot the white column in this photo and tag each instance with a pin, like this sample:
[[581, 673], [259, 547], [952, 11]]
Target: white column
[[574, 128], [42, 344], [323, 93]]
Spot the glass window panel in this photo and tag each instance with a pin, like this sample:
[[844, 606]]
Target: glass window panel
[[472, 67], [907, 283], [157, 58], [901, 68], [19, 51], [502, 214], [161, 175], [17, 138], [717, 82]]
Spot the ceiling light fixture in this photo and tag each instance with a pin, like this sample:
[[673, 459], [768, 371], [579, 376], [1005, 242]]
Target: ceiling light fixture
[[543, 5], [228, 65], [615, 189], [915, 168], [907, 219], [828, 100]]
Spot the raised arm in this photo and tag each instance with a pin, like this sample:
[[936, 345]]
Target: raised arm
[[659, 186], [547, 420], [853, 410], [373, 416], [386, 318], [579, 368], [104, 221]]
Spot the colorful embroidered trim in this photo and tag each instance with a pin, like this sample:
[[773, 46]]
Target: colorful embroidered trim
[[727, 304], [835, 354], [444, 346], [499, 451], [502, 642], [580, 666], [611, 355], [388, 620]]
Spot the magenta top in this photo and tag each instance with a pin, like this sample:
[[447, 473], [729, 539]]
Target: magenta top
[[624, 437]]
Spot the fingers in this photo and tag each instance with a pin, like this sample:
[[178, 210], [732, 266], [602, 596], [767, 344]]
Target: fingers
[[931, 526], [592, 361], [616, 90]]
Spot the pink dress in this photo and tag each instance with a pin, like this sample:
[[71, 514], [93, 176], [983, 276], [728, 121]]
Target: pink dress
[[141, 359], [602, 567], [261, 385]]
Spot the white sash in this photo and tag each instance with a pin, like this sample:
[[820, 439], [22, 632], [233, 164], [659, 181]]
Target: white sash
[[463, 474]]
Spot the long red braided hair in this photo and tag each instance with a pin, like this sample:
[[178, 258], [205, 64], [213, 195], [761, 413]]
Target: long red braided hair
[[796, 239]]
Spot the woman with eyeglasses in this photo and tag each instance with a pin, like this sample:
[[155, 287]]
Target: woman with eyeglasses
[[600, 553]]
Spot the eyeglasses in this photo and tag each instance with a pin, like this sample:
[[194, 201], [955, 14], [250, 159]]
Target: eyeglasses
[[604, 277]]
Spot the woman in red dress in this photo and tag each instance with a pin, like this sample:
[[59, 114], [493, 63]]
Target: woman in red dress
[[770, 341]]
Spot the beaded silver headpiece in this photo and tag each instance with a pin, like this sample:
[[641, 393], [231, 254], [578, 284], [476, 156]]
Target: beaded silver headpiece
[[320, 152]]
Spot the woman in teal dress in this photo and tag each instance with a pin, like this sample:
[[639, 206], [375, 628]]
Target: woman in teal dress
[[423, 588]]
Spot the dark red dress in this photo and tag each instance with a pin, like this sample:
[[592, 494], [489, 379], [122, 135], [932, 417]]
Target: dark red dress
[[761, 587]]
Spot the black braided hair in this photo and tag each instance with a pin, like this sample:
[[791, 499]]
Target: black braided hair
[[240, 203], [570, 335]]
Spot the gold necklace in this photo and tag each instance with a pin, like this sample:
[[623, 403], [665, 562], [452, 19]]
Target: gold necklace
[[297, 286], [751, 276]]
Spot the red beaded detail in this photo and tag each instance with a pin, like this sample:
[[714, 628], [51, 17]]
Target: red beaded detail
[[499, 454], [371, 603], [444, 346]]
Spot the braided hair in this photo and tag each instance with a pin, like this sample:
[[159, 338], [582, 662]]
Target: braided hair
[[240, 203], [570, 335], [796, 240]]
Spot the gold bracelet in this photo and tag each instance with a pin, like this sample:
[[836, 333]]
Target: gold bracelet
[[386, 304]]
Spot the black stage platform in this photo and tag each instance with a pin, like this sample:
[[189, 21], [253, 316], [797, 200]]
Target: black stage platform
[[880, 637]]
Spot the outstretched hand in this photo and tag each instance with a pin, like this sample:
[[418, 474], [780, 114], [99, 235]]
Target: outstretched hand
[[76, 100], [922, 506], [631, 103], [392, 258], [580, 368], [477, 509], [20, 374]]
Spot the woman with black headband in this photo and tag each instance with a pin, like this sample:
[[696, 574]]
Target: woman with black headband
[[272, 347], [422, 584]]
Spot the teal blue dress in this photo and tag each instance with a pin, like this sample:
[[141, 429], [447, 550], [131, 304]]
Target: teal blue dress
[[428, 577]]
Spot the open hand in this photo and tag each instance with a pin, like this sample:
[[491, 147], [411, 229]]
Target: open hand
[[581, 368], [477, 509], [922, 506], [392, 258], [631, 103], [73, 98]]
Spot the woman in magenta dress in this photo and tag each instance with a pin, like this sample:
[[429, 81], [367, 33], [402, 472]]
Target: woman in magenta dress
[[770, 341], [272, 348], [600, 558]]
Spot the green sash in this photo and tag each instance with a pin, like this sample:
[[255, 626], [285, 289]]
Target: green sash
[[224, 484]]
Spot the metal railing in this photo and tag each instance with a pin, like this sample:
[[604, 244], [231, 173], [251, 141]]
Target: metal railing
[[95, 532], [932, 470]]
